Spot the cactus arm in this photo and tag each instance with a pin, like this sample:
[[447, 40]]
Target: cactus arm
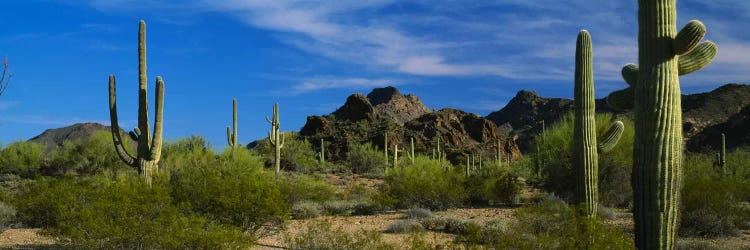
[[135, 134], [689, 37], [630, 74], [229, 137], [697, 58], [611, 137], [115, 127], [156, 142]]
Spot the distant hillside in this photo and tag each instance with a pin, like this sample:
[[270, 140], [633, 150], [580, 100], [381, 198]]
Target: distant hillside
[[524, 113], [365, 119], [55, 137]]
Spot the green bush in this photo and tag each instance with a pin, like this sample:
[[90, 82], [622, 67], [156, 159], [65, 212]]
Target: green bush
[[22, 158], [365, 159], [493, 185], [550, 225], [306, 210], [86, 156], [236, 190], [94, 213], [186, 152], [297, 188], [712, 204], [425, 183], [7, 216], [296, 155], [554, 162], [319, 235], [404, 226]]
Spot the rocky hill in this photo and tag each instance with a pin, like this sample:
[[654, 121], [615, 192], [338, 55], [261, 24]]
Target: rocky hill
[[55, 137], [718, 109], [365, 119]]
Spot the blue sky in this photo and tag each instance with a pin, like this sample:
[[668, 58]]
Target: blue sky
[[309, 56]]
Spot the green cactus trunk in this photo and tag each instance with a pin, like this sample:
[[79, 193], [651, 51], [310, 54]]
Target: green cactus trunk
[[385, 149], [584, 131], [723, 155], [395, 155], [411, 155], [232, 134], [276, 138], [146, 160], [322, 151]]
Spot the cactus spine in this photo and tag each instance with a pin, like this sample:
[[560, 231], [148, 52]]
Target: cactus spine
[[275, 137], [654, 93], [232, 135], [146, 160], [584, 131]]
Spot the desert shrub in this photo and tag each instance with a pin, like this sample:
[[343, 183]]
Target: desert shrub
[[425, 183], [306, 210], [22, 158], [685, 244], [550, 225], [297, 154], [711, 202], [7, 216], [493, 186], [554, 162], [364, 208], [187, 152], [297, 188], [338, 207], [418, 213], [244, 195], [404, 226], [319, 235], [86, 156], [364, 158], [94, 212]]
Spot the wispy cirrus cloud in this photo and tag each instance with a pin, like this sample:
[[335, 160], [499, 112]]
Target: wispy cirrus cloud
[[514, 39], [322, 83]]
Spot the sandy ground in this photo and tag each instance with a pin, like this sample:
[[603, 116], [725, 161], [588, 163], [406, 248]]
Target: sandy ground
[[30, 239]]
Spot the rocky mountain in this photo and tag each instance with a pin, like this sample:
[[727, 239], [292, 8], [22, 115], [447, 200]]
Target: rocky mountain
[[524, 113], [736, 129], [385, 110], [55, 137]]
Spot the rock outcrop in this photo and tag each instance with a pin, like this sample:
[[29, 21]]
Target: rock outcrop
[[55, 137]]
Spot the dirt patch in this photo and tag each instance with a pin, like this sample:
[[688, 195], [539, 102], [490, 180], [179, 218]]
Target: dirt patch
[[25, 238]]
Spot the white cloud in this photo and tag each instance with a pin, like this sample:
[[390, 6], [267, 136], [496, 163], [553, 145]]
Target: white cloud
[[322, 83]]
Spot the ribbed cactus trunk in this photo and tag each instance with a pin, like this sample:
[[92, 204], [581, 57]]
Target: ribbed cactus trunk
[[276, 138], [148, 154], [411, 155], [723, 155], [654, 94], [385, 149], [322, 151], [232, 134], [584, 130], [395, 155]]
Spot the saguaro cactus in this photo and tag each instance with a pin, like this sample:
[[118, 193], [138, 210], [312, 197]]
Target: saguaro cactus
[[721, 157], [395, 155], [275, 137], [411, 153], [322, 153], [654, 92], [385, 148], [146, 160], [232, 135], [584, 130]]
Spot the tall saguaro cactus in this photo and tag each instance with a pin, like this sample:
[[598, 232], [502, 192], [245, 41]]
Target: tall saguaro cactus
[[275, 137], [322, 153], [584, 130], [654, 92], [721, 157], [146, 160], [232, 135]]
